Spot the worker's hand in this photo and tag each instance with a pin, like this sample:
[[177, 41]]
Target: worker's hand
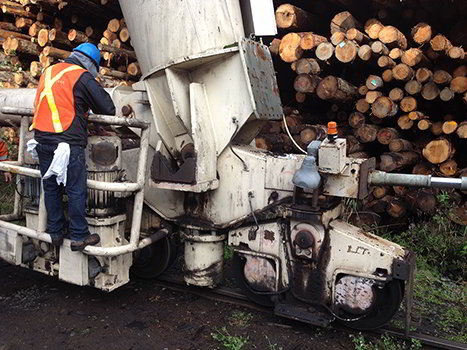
[[7, 177]]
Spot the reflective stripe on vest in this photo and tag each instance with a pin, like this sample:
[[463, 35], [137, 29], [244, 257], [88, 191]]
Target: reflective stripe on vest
[[47, 93]]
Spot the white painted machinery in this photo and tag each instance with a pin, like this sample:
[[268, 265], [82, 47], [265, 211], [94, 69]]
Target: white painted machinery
[[193, 176]]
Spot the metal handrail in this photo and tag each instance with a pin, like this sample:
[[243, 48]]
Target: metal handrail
[[137, 186]]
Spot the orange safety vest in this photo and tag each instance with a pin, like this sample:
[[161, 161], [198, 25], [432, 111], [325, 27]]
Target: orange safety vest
[[3, 150], [55, 106]]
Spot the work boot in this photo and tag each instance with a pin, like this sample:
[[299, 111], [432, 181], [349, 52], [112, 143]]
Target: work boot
[[77, 246]]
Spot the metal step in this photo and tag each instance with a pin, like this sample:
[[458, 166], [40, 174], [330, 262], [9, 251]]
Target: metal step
[[307, 314]]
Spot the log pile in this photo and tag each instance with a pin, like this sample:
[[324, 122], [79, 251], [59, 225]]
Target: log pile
[[392, 74], [37, 33]]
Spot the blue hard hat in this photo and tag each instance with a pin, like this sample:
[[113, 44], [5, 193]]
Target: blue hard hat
[[91, 51]]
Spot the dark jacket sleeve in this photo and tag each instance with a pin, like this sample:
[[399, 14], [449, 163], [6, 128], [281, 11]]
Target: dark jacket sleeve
[[95, 96]]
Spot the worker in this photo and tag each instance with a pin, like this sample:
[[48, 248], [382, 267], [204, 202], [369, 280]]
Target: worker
[[3, 157], [66, 93]]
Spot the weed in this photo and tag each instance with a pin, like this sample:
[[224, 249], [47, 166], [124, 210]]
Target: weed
[[230, 342], [228, 252], [386, 342], [273, 346], [240, 318]]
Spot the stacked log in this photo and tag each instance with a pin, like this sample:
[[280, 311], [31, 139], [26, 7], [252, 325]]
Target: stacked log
[[35, 34], [396, 87]]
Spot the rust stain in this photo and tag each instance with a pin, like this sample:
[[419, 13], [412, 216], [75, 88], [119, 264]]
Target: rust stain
[[260, 53], [269, 235]]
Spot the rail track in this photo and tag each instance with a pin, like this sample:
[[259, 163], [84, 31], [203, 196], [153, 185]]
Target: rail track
[[233, 296]]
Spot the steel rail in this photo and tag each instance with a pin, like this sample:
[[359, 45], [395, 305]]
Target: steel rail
[[232, 296]]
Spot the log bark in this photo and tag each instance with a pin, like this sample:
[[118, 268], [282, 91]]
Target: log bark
[[357, 36], [413, 57], [21, 45], [343, 21], [373, 27], [22, 22], [334, 88], [437, 128], [430, 91], [337, 38], [392, 35], [460, 71], [384, 107], [413, 87], [365, 53], [313, 132], [396, 208], [385, 135], [289, 49], [399, 145], [274, 46], [76, 36], [379, 191], [423, 168], [374, 82], [446, 94], [353, 145], [371, 96], [462, 130], [440, 44], [9, 26], [396, 53], [396, 94], [362, 90], [404, 122], [59, 38], [324, 51], [423, 75], [133, 69], [55, 53], [310, 41], [398, 160], [291, 18], [346, 51], [456, 53], [118, 51], [36, 27], [35, 69], [362, 106], [449, 127], [441, 77], [308, 66], [116, 74], [379, 48], [424, 124], [408, 104], [5, 34], [448, 168], [386, 62], [367, 133], [438, 151], [402, 72], [356, 120], [421, 33], [459, 85], [306, 83], [416, 115], [387, 76], [300, 97]]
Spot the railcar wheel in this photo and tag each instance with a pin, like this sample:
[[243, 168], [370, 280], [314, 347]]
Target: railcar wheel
[[256, 296], [385, 306], [153, 260]]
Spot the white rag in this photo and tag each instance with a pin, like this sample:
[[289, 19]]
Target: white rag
[[60, 161]]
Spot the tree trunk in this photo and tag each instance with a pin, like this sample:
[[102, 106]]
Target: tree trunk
[[371, 96], [343, 21], [313, 132], [21, 45], [462, 130], [306, 83], [387, 76], [386, 62], [438, 151], [119, 51], [413, 87], [22, 22], [337, 38], [357, 36], [116, 74], [413, 57], [430, 91], [386, 135], [449, 127], [374, 82], [43, 37], [356, 120], [441, 77], [379, 48], [402, 72], [134, 70], [55, 53], [9, 26], [76, 36], [398, 160], [292, 18], [399, 145], [421, 33], [346, 51], [308, 66], [362, 105], [424, 124], [396, 94], [396, 53], [367, 133], [423, 75], [448, 168], [365, 52], [446, 94], [310, 41], [440, 44], [289, 49], [379, 191], [384, 107], [408, 104], [274, 46], [404, 122], [124, 35], [459, 85], [373, 27], [396, 208], [416, 115], [324, 51], [334, 88], [392, 35]]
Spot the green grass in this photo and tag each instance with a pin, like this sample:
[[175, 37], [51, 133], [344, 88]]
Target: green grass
[[229, 342], [240, 319], [385, 342]]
